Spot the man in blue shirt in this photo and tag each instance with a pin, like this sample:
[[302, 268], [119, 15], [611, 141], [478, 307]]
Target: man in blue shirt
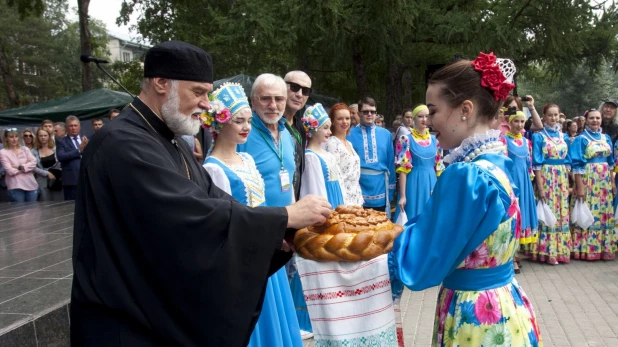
[[374, 146], [272, 147], [269, 142]]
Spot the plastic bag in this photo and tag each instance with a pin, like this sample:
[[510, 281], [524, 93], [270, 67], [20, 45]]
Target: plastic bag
[[402, 219], [581, 215], [544, 214]]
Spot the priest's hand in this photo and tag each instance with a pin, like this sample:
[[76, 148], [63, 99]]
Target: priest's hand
[[288, 246], [310, 210]]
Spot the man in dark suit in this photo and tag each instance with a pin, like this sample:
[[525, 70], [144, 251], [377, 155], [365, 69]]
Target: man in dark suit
[[69, 152]]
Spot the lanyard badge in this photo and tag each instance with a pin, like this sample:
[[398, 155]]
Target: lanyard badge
[[284, 178]]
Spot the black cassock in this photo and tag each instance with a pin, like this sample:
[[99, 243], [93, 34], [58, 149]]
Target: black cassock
[[161, 259]]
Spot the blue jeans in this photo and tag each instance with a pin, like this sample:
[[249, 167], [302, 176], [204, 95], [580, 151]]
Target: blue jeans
[[20, 195]]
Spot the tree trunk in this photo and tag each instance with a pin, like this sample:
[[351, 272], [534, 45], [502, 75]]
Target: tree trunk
[[85, 44], [7, 79], [359, 70], [394, 73]]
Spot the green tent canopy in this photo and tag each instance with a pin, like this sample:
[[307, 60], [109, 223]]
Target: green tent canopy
[[247, 81], [94, 103]]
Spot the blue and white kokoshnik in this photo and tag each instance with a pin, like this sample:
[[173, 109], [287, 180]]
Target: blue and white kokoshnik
[[233, 97], [314, 118]]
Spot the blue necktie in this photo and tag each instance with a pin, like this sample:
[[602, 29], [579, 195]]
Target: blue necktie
[[76, 143]]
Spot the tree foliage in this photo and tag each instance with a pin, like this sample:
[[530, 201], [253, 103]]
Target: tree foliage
[[574, 93], [39, 56], [129, 74], [383, 48]]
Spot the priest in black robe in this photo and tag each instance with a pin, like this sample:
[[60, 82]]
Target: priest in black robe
[[161, 256]]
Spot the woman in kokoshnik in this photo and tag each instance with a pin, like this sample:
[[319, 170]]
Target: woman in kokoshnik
[[229, 121]]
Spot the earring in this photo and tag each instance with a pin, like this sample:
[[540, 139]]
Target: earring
[[463, 118]]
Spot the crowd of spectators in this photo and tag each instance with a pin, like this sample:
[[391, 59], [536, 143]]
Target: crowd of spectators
[[42, 163]]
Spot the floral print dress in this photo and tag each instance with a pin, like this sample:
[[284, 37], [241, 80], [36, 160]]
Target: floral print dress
[[349, 166], [420, 158], [490, 318], [550, 156], [474, 207], [498, 317], [591, 154]]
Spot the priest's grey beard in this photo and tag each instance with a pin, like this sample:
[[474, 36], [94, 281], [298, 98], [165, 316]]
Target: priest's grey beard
[[180, 124]]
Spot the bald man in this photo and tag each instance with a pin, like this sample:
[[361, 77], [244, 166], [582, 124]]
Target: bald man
[[298, 86]]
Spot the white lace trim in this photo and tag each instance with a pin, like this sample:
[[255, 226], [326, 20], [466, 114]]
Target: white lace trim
[[557, 128], [599, 131], [475, 145]]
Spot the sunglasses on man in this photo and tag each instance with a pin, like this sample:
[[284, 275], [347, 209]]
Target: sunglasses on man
[[295, 87], [368, 112]]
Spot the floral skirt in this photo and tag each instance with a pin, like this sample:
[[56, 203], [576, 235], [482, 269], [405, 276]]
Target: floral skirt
[[495, 317], [554, 244], [528, 236], [599, 240]]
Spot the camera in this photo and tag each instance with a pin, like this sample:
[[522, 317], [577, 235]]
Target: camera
[[510, 111], [525, 98]]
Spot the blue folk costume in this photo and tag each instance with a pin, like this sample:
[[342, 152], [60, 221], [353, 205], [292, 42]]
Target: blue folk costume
[[519, 150], [591, 156], [615, 153], [321, 175], [474, 207], [374, 146], [277, 324], [362, 314], [550, 156], [420, 158]]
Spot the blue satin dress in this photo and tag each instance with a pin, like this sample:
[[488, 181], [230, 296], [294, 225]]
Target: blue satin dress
[[519, 151], [465, 238], [277, 325], [421, 160]]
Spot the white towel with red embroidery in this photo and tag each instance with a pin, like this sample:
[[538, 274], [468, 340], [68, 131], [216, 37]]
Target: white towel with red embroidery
[[349, 303]]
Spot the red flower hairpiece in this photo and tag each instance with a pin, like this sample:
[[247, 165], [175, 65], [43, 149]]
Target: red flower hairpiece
[[491, 76]]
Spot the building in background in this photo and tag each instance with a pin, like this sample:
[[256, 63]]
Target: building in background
[[124, 50]]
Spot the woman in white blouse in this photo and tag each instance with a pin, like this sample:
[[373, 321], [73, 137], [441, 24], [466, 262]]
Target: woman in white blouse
[[341, 149], [407, 122]]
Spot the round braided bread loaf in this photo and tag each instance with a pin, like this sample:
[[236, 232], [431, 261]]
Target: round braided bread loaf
[[350, 234]]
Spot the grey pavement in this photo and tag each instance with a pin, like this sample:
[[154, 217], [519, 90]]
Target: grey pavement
[[576, 305]]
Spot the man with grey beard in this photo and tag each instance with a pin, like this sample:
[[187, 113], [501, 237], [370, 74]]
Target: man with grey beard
[[161, 256]]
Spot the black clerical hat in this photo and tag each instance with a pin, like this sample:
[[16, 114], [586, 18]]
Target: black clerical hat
[[178, 60]]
